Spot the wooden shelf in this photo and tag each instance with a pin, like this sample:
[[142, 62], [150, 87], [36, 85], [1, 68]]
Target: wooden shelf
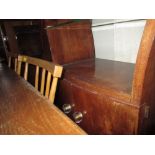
[[103, 74]]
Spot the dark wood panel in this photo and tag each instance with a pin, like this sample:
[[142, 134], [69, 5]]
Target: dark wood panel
[[101, 114], [104, 115], [102, 76], [23, 110], [102, 89], [46, 54], [115, 84], [10, 33], [65, 96], [71, 42], [27, 37]]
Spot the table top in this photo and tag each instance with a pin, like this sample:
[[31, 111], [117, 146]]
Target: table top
[[23, 110]]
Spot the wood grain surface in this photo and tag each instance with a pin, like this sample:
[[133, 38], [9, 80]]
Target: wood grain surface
[[102, 90], [71, 42], [23, 110], [110, 87], [53, 70], [100, 75]]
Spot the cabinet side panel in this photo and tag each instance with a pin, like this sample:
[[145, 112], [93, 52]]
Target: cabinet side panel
[[143, 83], [147, 114]]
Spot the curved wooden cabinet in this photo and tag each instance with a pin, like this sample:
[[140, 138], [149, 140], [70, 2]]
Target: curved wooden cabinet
[[116, 97], [104, 111]]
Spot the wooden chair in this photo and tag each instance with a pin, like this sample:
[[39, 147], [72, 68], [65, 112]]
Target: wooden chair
[[50, 67], [12, 57]]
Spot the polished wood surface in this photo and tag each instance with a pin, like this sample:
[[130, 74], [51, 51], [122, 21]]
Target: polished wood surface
[[102, 75], [114, 97], [118, 97], [145, 62], [23, 110], [71, 42], [105, 114], [144, 76], [52, 69], [101, 90]]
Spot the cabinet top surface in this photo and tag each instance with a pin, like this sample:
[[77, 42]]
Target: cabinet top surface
[[103, 74]]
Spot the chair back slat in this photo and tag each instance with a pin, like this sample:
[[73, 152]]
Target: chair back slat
[[16, 62], [9, 62], [26, 71], [43, 81], [47, 87], [19, 67], [48, 84], [37, 77], [53, 89], [38, 62]]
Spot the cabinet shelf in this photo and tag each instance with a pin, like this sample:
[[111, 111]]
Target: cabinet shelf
[[102, 74]]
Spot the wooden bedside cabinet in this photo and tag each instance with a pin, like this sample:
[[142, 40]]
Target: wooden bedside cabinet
[[106, 96], [89, 88]]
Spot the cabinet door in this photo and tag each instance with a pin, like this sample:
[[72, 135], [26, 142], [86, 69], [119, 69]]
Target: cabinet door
[[102, 115], [65, 96]]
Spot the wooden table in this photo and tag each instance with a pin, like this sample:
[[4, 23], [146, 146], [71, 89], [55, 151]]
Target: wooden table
[[23, 110]]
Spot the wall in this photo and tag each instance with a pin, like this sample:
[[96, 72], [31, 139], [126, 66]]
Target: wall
[[117, 39]]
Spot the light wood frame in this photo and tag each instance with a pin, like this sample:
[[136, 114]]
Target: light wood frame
[[52, 69]]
